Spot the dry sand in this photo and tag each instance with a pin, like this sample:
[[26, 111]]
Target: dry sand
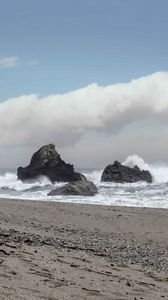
[[52, 251]]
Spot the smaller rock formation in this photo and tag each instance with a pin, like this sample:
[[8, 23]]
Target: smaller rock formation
[[120, 173], [47, 162], [80, 188]]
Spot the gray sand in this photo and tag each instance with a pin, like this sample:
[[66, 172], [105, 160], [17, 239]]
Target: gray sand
[[52, 250]]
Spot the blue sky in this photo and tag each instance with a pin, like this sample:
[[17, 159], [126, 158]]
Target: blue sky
[[51, 47], [58, 46]]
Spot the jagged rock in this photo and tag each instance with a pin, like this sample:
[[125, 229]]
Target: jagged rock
[[81, 188], [46, 161], [120, 173]]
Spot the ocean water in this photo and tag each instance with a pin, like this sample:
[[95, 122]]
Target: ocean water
[[133, 194]]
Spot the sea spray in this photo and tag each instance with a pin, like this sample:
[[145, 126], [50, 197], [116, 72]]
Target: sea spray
[[10, 181], [158, 171], [127, 194]]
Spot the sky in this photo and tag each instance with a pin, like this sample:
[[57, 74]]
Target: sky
[[90, 76]]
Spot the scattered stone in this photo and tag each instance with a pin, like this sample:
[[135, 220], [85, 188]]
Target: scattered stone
[[47, 162], [74, 265], [128, 283], [120, 173], [14, 273], [81, 188]]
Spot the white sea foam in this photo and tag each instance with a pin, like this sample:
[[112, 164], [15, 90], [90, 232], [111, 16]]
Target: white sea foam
[[94, 176], [10, 181], [128, 194], [158, 171]]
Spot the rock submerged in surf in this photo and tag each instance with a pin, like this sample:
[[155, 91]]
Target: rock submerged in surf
[[119, 173], [78, 188], [47, 162]]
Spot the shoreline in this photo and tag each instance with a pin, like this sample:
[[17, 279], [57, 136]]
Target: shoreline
[[52, 200], [56, 250]]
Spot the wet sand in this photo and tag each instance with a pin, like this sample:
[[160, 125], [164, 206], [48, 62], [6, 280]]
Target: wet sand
[[52, 251]]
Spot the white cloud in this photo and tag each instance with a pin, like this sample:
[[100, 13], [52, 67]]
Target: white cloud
[[9, 62], [92, 125]]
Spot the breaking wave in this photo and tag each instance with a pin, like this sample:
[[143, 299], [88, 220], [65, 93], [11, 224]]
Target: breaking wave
[[158, 171], [128, 194], [10, 181]]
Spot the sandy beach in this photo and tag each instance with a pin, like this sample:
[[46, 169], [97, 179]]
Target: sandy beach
[[52, 251]]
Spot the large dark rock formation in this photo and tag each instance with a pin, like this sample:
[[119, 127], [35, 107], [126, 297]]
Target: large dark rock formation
[[46, 161], [81, 188], [119, 173]]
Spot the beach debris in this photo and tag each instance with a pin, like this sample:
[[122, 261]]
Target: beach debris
[[120, 174], [78, 188], [47, 162]]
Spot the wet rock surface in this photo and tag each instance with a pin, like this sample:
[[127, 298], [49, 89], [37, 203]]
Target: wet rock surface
[[78, 188], [47, 162], [119, 173]]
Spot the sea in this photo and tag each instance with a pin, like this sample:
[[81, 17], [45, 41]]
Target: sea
[[138, 194]]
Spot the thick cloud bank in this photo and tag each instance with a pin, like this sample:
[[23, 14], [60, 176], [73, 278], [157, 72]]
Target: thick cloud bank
[[92, 122]]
